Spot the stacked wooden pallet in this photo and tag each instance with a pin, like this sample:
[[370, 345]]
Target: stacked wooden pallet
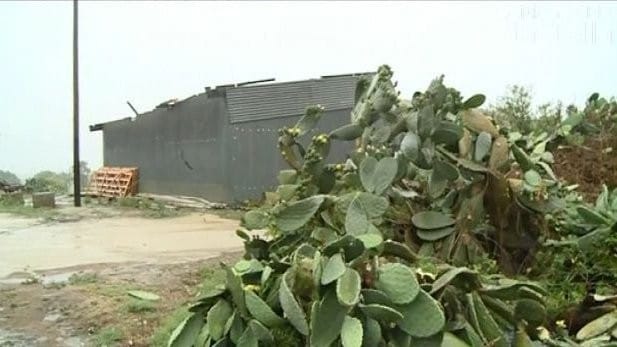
[[114, 182]]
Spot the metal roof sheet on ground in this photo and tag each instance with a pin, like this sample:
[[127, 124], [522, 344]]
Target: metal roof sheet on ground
[[286, 99]]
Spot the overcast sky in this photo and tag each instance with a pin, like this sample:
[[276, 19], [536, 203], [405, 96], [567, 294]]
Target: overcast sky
[[150, 52]]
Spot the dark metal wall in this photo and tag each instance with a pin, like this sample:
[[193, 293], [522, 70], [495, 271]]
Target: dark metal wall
[[221, 145], [178, 151], [255, 159]]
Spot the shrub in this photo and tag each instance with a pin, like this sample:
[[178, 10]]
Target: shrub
[[385, 248]]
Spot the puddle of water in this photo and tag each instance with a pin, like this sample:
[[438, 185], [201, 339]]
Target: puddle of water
[[74, 342], [14, 339], [17, 339], [52, 317], [11, 281], [59, 278], [45, 280]]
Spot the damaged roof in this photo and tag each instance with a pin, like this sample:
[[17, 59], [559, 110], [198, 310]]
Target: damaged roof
[[263, 99]]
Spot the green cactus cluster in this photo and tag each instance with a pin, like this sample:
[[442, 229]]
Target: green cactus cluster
[[599, 115], [381, 250], [593, 224], [581, 262]]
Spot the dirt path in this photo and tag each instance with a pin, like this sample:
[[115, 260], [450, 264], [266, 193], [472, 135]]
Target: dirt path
[[26, 246], [65, 283]]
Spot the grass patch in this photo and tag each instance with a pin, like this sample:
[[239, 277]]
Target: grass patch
[[119, 293], [30, 212], [148, 208], [55, 285], [160, 337], [131, 202], [31, 279], [211, 277], [163, 212], [108, 337], [139, 306], [83, 278], [112, 290]]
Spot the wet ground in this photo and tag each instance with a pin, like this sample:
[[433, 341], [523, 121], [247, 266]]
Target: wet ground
[[27, 246], [63, 282]]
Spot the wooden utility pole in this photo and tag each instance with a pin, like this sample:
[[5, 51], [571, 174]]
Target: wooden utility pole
[[76, 171]]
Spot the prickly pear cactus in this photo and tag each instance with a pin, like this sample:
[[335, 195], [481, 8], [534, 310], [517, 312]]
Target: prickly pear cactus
[[380, 250]]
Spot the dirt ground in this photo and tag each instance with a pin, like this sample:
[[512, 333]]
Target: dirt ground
[[65, 282], [590, 165]]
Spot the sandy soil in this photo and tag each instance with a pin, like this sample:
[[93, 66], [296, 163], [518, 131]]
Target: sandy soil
[[26, 246]]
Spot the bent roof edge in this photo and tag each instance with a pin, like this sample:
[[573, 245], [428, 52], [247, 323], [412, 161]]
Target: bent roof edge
[[222, 90]]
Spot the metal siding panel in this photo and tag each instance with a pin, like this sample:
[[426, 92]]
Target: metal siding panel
[[230, 144], [257, 160], [290, 99], [268, 101], [160, 142], [335, 93]]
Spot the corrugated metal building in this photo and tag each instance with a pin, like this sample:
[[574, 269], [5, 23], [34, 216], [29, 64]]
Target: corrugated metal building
[[221, 144]]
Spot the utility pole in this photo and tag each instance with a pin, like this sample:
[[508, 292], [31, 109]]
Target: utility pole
[[76, 171]]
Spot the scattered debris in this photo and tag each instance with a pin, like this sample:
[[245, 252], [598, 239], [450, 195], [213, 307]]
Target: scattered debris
[[52, 317], [183, 201], [168, 104], [143, 295]]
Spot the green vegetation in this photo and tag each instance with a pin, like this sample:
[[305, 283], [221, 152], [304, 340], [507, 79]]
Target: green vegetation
[[47, 181], [14, 200], [211, 278], [9, 178], [140, 306], [155, 209], [163, 332], [514, 111], [108, 337], [46, 214], [437, 230], [57, 182], [551, 122], [149, 208], [228, 213], [83, 278], [582, 259]]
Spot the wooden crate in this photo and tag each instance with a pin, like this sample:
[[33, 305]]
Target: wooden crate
[[114, 182]]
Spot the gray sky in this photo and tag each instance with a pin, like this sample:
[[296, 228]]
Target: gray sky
[[149, 52]]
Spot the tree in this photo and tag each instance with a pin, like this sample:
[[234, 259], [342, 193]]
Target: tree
[[513, 110], [84, 173], [9, 177], [548, 116], [84, 169], [48, 181]]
